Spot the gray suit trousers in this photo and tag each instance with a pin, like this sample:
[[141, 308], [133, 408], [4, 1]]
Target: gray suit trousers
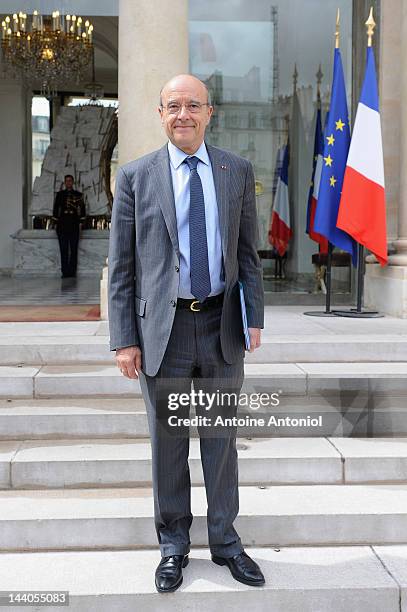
[[193, 354]]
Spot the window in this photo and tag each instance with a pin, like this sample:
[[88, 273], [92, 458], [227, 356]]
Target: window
[[247, 57], [40, 115]]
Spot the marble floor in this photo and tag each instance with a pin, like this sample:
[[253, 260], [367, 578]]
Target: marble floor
[[279, 292], [83, 289]]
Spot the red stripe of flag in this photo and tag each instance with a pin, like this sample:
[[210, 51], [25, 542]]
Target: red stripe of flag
[[356, 191], [279, 234], [321, 240]]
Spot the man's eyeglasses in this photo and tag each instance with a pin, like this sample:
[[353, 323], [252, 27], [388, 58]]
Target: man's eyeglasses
[[174, 108]]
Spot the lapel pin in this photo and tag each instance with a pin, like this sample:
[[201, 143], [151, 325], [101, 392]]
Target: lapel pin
[[223, 167]]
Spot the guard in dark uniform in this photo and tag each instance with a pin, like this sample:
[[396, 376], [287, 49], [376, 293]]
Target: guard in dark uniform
[[69, 211]]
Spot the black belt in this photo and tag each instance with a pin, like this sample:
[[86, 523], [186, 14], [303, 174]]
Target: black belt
[[195, 305]]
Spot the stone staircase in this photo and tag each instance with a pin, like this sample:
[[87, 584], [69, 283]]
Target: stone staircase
[[324, 513]]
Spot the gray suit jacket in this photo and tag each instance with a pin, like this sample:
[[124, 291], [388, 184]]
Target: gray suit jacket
[[143, 273]]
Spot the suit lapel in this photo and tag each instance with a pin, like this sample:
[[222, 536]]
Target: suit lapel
[[161, 174], [221, 178]]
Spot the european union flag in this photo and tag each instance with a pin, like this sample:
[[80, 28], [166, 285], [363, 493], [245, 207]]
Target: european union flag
[[336, 147]]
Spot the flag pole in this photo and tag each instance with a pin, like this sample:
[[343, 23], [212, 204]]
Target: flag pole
[[358, 312], [361, 273], [328, 279], [328, 312]]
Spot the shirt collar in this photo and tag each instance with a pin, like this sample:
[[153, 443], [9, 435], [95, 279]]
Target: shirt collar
[[177, 156]]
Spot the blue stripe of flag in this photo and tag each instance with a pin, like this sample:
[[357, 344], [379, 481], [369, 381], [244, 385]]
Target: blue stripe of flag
[[284, 167], [318, 150], [369, 96]]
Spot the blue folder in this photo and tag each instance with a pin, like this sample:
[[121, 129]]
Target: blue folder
[[244, 317]]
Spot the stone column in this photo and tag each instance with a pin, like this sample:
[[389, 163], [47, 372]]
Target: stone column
[[153, 47], [13, 109], [386, 288], [400, 259]]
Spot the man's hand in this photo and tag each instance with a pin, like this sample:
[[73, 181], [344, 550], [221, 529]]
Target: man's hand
[[128, 360], [254, 333]]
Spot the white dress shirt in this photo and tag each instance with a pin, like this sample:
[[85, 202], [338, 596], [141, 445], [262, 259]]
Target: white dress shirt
[[180, 181]]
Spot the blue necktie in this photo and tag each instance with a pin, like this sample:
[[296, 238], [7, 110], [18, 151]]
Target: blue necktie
[[200, 279]]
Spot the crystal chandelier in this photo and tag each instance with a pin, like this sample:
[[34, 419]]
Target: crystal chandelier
[[93, 90], [50, 51]]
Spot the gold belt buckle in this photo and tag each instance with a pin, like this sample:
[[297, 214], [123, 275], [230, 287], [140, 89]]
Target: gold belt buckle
[[192, 304]]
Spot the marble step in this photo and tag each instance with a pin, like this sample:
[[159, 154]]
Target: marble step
[[34, 349], [309, 579], [262, 461], [286, 379], [123, 417], [281, 515], [81, 417]]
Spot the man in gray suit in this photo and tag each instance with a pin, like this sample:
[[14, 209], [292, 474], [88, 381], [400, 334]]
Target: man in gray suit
[[183, 232]]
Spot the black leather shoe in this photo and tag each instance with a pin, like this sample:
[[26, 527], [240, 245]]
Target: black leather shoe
[[168, 575], [242, 568]]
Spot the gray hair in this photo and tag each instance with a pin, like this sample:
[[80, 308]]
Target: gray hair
[[208, 93]]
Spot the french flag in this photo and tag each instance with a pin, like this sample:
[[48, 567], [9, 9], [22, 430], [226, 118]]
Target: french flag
[[362, 209], [315, 182], [280, 231]]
